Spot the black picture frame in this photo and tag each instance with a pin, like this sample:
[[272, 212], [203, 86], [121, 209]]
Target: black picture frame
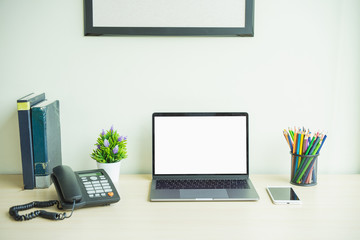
[[246, 31]]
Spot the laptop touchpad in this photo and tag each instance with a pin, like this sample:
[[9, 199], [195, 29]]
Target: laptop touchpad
[[203, 193]]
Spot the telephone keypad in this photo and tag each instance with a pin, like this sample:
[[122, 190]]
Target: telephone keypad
[[97, 186]]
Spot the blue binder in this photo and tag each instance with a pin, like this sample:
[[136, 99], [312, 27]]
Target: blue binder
[[46, 140], [23, 107]]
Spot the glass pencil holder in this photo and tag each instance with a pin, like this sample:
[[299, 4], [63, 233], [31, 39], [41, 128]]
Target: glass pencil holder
[[304, 169]]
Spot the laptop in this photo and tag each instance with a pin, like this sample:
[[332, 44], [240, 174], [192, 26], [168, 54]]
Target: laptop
[[201, 157]]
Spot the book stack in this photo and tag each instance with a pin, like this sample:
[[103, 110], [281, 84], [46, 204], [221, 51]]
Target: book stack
[[40, 139]]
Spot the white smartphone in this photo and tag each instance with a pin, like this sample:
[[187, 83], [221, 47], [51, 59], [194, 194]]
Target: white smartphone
[[283, 195]]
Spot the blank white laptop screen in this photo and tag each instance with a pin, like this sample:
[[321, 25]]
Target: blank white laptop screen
[[200, 145]]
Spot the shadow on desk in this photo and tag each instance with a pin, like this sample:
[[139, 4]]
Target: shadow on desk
[[136, 176], [12, 182], [281, 178]]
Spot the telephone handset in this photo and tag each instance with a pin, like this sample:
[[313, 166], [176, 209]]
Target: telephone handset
[[66, 185], [75, 190]]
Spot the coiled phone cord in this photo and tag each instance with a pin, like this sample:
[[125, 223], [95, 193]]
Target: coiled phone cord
[[14, 211]]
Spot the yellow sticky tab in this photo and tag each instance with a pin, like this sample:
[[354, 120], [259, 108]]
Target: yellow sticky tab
[[21, 106]]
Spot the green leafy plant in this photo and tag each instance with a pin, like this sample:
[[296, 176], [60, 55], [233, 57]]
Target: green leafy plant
[[110, 147]]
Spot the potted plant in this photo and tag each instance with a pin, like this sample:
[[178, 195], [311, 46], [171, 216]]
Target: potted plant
[[110, 150]]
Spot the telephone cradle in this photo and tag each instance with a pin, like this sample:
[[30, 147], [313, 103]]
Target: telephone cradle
[[75, 190]]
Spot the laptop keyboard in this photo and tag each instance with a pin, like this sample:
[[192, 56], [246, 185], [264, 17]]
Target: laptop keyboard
[[202, 184]]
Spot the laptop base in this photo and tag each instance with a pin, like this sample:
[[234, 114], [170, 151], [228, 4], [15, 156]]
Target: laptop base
[[168, 195]]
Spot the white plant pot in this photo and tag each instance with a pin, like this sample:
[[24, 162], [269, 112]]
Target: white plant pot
[[112, 169]]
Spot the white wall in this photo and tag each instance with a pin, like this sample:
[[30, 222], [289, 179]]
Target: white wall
[[301, 68]]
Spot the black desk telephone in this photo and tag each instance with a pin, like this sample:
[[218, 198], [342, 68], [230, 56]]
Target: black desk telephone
[[75, 190]]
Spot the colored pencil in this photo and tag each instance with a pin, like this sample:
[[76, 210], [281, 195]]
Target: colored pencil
[[300, 147]]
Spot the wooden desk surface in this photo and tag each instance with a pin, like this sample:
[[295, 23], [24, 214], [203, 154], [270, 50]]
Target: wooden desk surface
[[330, 210]]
